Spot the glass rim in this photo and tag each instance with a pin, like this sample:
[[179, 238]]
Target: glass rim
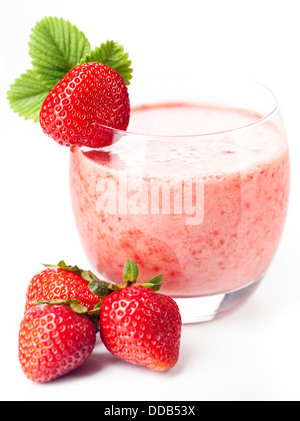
[[118, 133]]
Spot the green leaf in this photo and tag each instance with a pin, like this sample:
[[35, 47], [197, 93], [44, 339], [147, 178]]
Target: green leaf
[[27, 94], [77, 308], [130, 272], [154, 283], [51, 302], [88, 276], [64, 266], [112, 54], [73, 303], [56, 46], [99, 288]]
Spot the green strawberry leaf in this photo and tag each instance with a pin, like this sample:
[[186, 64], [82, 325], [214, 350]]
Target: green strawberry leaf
[[64, 266], [27, 94], [130, 272], [87, 275], [154, 283], [73, 303], [112, 54], [77, 308], [99, 288], [56, 46]]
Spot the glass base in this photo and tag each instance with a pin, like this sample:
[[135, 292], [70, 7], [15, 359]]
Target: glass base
[[206, 308]]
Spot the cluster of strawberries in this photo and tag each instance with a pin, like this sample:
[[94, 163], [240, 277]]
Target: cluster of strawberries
[[66, 307]]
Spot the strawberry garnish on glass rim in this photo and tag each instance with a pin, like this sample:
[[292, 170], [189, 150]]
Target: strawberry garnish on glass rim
[[79, 95], [83, 107]]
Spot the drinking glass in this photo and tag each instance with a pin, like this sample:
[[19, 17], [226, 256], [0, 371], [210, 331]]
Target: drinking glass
[[196, 189]]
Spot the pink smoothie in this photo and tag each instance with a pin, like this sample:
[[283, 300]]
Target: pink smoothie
[[207, 212]]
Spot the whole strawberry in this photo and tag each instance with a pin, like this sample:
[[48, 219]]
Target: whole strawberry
[[141, 326], [82, 108], [64, 283], [53, 340]]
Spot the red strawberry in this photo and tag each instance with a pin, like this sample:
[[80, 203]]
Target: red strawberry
[[61, 282], [89, 100], [53, 340], [141, 326]]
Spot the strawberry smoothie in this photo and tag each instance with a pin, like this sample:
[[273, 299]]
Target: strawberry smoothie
[[205, 211]]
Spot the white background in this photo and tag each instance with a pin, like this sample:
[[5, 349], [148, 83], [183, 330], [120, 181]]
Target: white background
[[252, 354]]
